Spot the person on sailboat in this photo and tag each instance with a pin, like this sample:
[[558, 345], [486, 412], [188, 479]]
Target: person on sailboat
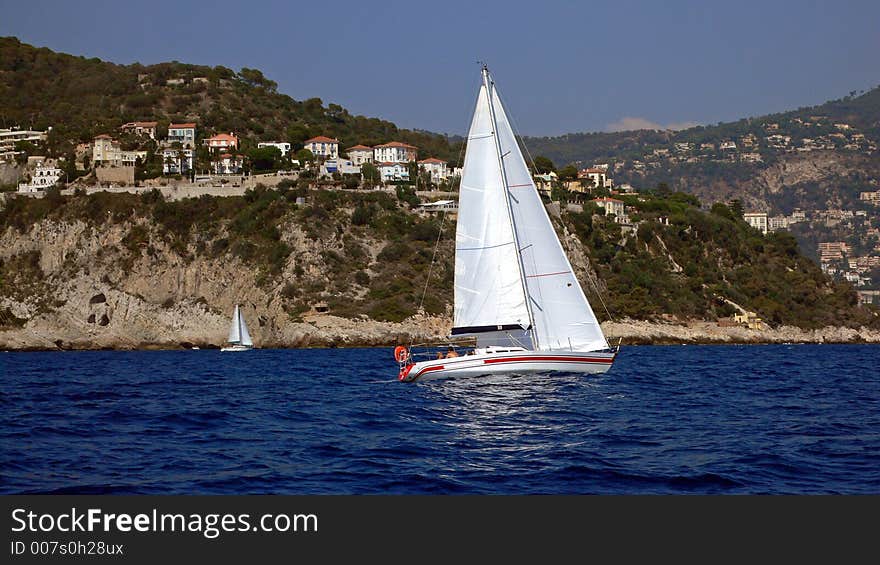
[[451, 352]]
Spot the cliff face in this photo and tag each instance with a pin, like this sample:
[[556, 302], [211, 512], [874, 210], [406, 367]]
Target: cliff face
[[134, 271], [73, 284]]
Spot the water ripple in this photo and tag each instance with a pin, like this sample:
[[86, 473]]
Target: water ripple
[[665, 420]]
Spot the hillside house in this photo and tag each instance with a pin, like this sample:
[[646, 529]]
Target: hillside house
[[683, 146], [749, 320], [360, 154], [395, 152], [599, 177], [9, 137], [282, 146], [870, 197], [185, 134], [393, 171], [438, 169], [341, 166], [323, 147], [757, 220], [612, 206], [44, 176], [222, 142], [228, 164], [140, 128], [177, 161], [107, 152]]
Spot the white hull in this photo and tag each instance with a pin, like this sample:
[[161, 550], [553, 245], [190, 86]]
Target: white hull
[[236, 348], [514, 362]]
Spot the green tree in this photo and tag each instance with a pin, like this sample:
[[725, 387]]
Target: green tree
[[264, 158], [305, 156], [736, 208], [371, 175], [255, 77], [721, 209], [567, 173], [413, 169], [543, 165]]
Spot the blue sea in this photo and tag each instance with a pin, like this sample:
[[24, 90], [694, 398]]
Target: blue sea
[[780, 419]]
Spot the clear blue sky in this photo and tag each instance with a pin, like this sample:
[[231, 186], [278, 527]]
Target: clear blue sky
[[562, 66]]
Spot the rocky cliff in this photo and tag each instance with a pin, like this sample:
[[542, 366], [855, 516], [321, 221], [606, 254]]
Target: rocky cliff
[[123, 283], [346, 269]]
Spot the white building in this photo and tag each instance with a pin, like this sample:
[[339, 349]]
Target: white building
[[360, 154], [228, 164], [393, 171], [9, 137], [280, 145], [44, 176], [599, 177], [757, 220], [106, 151], [395, 152], [177, 161], [322, 146], [440, 206], [438, 169], [775, 223], [185, 134], [611, 206], [342, 166]]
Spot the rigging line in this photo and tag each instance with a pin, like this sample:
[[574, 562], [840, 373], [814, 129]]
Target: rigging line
[[439, 236], [599, 292], [433, 257]]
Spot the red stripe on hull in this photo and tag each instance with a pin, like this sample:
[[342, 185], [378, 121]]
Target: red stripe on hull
[[535, 358], [608, 360]]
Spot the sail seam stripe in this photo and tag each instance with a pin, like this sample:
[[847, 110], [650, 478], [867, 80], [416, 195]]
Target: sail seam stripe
[[548, 274], [486, 247]]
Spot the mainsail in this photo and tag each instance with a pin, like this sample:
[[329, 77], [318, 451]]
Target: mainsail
[[235, 328], [488, 287], [238, 332], [498, 286], [245, 336]]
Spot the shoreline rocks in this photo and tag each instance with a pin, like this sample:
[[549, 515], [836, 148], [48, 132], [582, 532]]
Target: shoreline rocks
[[324, 330]]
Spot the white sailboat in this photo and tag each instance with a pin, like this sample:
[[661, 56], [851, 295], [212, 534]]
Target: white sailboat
[[515, 290], [239, 338]]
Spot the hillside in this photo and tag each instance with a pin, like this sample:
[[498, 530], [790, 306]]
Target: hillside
[[820, 162], [123, 270], [352, 267], [839, 139], [80, 98]]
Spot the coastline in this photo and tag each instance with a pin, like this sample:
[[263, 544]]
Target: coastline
[[327, 331]]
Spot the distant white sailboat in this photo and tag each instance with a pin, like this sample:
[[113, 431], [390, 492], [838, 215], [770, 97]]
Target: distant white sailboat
[[515, 290], [239, 338]]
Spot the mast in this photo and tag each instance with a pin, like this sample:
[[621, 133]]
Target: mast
[[487, 82]]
